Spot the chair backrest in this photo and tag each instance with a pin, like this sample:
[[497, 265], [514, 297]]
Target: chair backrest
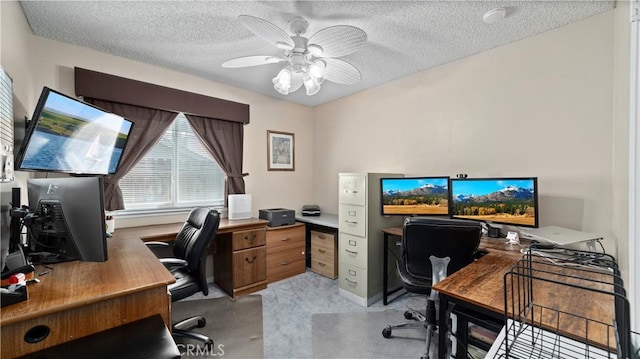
[[193, 240], [423, 237]]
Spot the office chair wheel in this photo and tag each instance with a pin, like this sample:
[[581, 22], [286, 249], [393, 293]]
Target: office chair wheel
[[386, 332], [201, 323], [408, 315]]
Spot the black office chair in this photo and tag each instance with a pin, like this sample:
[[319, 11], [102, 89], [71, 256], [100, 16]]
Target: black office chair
[[432, 245], [190, 250]]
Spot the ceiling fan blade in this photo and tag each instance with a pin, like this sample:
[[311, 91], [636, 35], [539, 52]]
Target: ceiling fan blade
[[339, 40], [248, 61], [266, 30], [342, 72]]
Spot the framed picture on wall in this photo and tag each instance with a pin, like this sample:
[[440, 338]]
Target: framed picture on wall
[[280, 151]]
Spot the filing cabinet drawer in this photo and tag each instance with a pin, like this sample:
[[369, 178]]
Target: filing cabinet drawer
[[353, 189], [353, 250], [352, 220], [285, 237], [326, 240], [249, 266], [353, 279], [285, 262], [326, 269], [248, 239]]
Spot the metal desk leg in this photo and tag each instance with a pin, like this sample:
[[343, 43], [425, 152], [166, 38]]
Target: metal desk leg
[[385, 268], [442, 327]]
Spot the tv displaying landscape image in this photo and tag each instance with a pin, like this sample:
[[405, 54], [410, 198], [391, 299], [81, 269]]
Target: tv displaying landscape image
[[71, 136], [413, 196], [500, 200]]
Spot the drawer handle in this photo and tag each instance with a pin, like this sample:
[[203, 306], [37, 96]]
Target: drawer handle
[[321, 236], [351, 222], [321, 264], [353, 191], [285, 263], [286, 239], [250, 261], [352, 282], [350, 252], [252, 238], [322, 251]]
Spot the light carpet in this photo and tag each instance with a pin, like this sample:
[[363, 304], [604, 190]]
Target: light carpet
[[359, 335], [235, 325]]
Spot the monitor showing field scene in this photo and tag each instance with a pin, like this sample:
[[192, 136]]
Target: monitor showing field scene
[[415, 196], [511, 201], [68, 135]]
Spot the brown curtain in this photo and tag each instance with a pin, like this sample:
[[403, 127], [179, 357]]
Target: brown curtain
[[148, 128], [223, 140]]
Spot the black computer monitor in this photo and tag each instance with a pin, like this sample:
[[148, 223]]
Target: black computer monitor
[[66, 219], [505, 200]]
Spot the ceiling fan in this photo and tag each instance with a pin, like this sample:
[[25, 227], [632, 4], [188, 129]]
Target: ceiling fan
[[309, 61]]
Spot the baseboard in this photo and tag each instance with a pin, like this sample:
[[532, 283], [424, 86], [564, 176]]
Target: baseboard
[[358, 299]]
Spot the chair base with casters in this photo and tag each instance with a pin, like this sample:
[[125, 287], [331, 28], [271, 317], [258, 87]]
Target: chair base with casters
[[183, 329]]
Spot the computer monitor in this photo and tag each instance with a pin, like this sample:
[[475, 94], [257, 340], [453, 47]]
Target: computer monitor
[[70, 136], [511, 201], [66, 219], [415, 196]]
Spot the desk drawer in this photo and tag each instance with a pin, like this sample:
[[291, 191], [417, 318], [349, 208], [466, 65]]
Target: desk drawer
[[353, 220], [327, 269], [353, 250], [285, 237], [249, 266], [353, 279], [322, 253], [285, 263], [248, 239], [323, 239]]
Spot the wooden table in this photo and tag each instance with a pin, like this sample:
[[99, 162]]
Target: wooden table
[[77, 299], [479, 287]]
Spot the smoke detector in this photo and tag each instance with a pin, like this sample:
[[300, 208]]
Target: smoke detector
[[494, 15]]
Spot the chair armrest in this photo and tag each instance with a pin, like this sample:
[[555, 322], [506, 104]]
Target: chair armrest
[[174, 262], [156, 244]]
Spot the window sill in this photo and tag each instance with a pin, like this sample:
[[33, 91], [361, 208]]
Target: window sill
[[125, 219]]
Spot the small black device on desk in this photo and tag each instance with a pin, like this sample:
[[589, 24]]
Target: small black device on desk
[[310, 210], [278, 216]]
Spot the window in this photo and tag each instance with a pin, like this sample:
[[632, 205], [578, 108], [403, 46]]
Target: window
[[177, 173]]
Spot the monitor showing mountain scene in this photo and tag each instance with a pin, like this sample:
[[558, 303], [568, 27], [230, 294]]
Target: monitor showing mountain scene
[[512, 201], [415, 196]]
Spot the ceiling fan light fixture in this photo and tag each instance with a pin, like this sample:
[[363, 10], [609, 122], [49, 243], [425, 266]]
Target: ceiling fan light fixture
[[282, 82], [311, 85], [315, 50]]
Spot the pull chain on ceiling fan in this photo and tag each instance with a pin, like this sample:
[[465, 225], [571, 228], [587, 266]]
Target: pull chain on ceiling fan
[[311, 60]]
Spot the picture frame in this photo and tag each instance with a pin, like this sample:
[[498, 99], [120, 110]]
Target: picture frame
[[280, 151]]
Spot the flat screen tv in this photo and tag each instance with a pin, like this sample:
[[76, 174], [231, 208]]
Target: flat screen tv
[[70, 136], [511, 201], [415, 196]]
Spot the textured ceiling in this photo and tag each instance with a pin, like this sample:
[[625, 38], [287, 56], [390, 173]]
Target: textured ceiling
[[404, 37]]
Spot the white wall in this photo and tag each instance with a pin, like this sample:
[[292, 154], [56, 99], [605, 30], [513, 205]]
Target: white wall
[[540, 107], [34, 62]]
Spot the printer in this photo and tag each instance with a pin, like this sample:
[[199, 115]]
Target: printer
[[278, 216], [310, 210]]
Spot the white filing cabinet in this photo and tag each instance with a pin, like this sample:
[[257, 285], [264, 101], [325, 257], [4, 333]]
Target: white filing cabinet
[[360, 236]]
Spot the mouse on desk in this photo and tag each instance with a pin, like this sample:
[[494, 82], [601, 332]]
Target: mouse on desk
[[480, 253]]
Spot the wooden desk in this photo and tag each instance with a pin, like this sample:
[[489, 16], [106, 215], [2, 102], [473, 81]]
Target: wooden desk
[[237, 242], [487, 244], [479, 287], [77, 299]]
